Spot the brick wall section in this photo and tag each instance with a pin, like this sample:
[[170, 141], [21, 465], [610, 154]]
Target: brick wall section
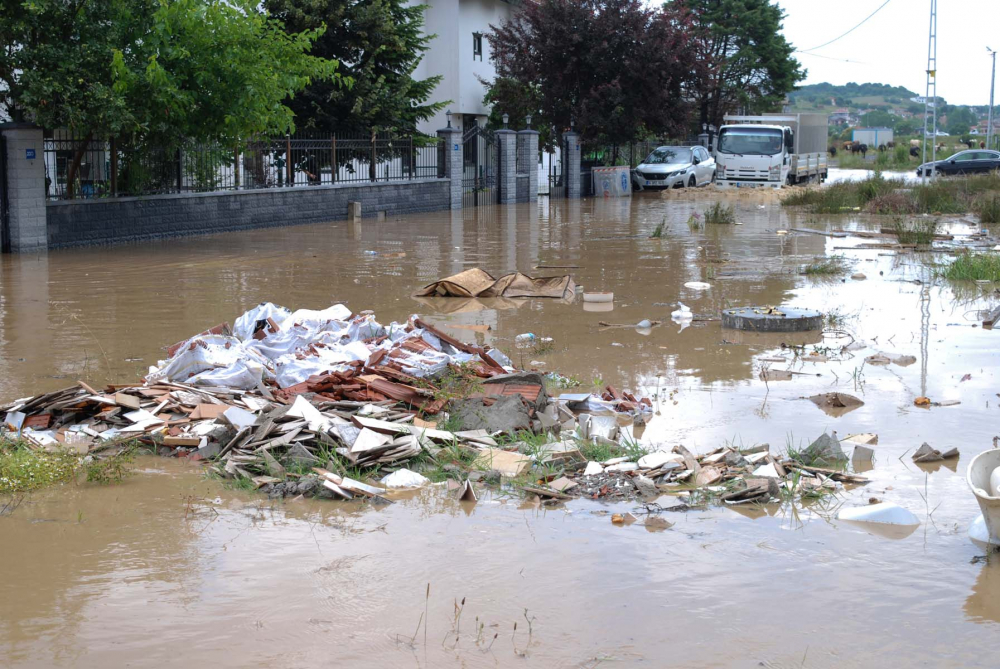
[[507, 178], [25, 187], [527, 146], [452, 139], [109, 221], [571, 164]]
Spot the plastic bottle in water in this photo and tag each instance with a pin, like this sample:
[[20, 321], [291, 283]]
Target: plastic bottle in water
[[525, 338]]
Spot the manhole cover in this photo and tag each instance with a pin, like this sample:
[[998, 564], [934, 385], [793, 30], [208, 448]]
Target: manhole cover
[[772, 319]]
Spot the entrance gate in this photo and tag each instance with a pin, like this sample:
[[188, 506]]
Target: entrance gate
[[481, 165]]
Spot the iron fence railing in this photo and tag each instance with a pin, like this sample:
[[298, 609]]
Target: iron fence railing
[[85, 167], [629, 153]]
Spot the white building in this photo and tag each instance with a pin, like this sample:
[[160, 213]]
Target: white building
[[460, 54]]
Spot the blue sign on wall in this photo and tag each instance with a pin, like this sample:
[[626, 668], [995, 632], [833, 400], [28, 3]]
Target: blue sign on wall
[[29, 154], [456, 147]]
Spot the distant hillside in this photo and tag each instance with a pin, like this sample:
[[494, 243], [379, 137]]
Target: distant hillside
[[827, 96]]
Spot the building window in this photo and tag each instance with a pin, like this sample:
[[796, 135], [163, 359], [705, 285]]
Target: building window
[[477, 46]]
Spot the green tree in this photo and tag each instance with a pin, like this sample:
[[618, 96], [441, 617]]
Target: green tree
[[618, 68], [153, 71], [379, 44], [960, 119], [506, 95], [906, 127], [741, 54]]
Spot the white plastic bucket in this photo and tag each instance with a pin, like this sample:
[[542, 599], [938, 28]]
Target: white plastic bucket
[[978, 476]]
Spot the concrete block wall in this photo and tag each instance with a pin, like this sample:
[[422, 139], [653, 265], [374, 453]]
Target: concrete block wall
[[508, 166], [109, 221], [25, 187], [571, 164], [452, 140]]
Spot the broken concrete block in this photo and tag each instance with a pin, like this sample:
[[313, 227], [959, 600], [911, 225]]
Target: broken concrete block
[[507, 414], [824, 452]]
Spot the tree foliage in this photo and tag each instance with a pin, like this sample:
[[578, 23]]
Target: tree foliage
[[164, 69], [379, 44], [741, 56], [617, 68], [153, 71]]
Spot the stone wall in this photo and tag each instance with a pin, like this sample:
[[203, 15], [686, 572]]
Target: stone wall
[[108, 221]]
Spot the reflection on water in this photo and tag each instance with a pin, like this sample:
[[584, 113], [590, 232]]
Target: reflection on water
[[154, 572]]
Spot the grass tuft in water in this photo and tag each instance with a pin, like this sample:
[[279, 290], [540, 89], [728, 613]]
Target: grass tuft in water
[[720, 214], [987, 208], [826, 267], [920, 232], [694, 221], [973, 267], [658, 232]]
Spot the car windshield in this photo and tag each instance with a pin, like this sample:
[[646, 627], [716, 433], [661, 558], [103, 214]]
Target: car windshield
[[669, 154], [750, 140]]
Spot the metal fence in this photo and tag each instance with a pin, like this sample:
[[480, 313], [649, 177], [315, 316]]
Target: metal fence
[[630, 154], [77, 167]]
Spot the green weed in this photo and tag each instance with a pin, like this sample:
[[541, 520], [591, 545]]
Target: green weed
[[720, 214], [919, 232], [973, 267], [24, 469], [826, 267], [112, 469], [658, 232], [987, 208], [694, 222]]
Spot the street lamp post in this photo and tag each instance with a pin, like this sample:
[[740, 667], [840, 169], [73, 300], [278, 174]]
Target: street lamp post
[[989, 116]]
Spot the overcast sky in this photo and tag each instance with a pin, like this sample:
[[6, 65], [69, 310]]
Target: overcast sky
[[891, 48]]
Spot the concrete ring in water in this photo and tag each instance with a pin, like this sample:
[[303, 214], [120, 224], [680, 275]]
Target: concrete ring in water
[[772, 319]]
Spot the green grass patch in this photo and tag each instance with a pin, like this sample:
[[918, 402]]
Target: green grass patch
[[658, 231], [920, 232], [973, 267], [720, 214], [826, 267], [694, 222], [878, 195], [987, 208], [25, 469]]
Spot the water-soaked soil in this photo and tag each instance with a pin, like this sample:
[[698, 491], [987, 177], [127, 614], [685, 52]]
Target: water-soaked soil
[[170, 569]]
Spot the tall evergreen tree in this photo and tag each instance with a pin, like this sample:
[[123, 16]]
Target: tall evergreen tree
[[379, 44], [743, 60]]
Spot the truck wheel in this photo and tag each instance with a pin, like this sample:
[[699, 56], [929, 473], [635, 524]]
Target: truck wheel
[[692, 182]]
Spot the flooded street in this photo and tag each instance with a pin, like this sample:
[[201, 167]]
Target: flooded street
[[172, 569]]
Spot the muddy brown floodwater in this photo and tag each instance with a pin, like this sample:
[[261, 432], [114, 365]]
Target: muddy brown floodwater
[[171, 569]]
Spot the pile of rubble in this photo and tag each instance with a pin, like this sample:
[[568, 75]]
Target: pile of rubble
[[295, 401], [733, 476], [275, 397]]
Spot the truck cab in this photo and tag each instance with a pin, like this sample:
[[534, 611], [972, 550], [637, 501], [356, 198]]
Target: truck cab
[[771, 150]]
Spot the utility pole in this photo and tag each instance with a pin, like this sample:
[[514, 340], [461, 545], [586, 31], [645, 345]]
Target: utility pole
[[930, 97], [989, 121]]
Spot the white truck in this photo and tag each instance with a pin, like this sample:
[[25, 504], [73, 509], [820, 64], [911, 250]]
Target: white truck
[[771, 150]]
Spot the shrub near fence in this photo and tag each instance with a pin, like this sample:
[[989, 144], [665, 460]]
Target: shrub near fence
[[98, 168]]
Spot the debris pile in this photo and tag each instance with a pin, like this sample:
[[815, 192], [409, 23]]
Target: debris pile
[[312, 402], [732, 476], [282, 398]]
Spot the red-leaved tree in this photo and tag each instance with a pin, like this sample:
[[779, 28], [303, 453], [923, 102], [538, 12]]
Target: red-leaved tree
[[619, 69]]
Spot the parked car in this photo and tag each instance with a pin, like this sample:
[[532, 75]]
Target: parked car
[[964, 162], [675, 167]]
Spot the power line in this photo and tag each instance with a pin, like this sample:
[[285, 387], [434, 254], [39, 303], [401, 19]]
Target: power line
[[849, 31], [841, 60]]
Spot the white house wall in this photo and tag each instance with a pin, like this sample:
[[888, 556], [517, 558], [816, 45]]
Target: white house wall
[[450, 55]]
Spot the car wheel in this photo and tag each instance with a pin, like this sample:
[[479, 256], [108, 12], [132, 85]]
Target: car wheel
[[692, 182]]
